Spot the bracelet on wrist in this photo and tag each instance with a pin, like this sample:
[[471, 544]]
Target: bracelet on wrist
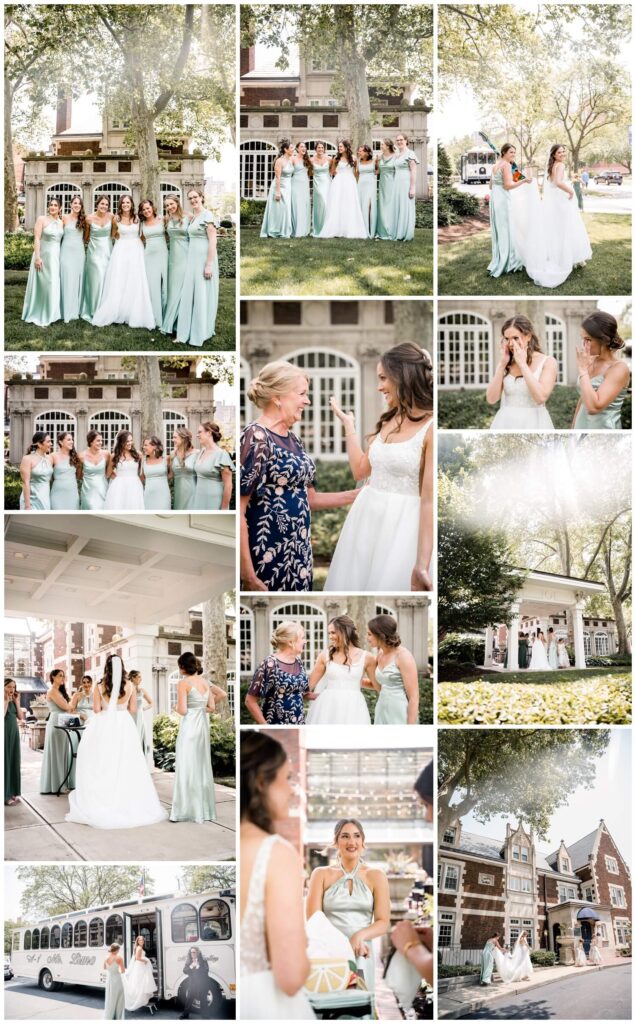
[[409, 945]]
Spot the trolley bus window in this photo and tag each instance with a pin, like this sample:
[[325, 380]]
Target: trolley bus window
[[80, 934], [55, 936], [184, 923], [115, 930], [16, 941], [96, 932], [27, 940], [35, 942], [67, 936], [44, 938], [214, 917]]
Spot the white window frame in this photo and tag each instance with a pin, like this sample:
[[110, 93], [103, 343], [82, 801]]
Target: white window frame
[[566, 867], [107, 429], [245, 406], [246, 639], [114, 190], [601, 930], [589, 894], [385, 609], [519, 883], [166, 189], [56, 422], [556, 344], [173, 682], [451, 321], [601, 642], [587, 644], [612, 865], [613, 890], [263, 158], [450, 842], [621, 930], [171, 418], [313, 620], [341, 380], [64, 191], [566, 892], [330, 147], [445, 919], [444, 868]]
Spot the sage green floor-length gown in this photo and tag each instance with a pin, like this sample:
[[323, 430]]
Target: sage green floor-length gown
[[178, 242], [208, 492], [200, 295], [385, 222], [94, 486], [12, 780], [193, 795], [115, 1002], [605, 419], [72, 262], [300, 202], [277, 222], [404, 205], [98, 254], [156, 487], [57, 754], [351, 911], [184, 482], [368, 195], [64, 489], [505, 258], [392, 705], [40, 486], [42, 298], [156, 261], [322, 181]]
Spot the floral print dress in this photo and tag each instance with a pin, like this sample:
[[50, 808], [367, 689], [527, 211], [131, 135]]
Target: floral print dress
[[280, 687], [276, 473]]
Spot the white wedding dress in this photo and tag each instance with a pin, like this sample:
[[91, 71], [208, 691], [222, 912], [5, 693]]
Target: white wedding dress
[[139, 984], [261, 999], [344, 217], [126, 295], [125, 490], [518, 409], [340, 700], [377, 547], [114, 788], [515, 966], [539, 660], [549, 234]]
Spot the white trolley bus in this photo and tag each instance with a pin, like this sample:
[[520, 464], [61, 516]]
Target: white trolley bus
[[71, 948], [476, 165]]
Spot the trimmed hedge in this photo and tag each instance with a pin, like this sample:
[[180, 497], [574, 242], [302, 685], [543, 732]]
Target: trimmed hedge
[[457, 971], [608, 660], [469, 410], [599, 700], [461, 649], [424, 213], [454, 206], [12, 487], [326, 525], [543, 957], [165, 729]]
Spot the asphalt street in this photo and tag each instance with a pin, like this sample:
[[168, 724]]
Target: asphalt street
[[600, 995]]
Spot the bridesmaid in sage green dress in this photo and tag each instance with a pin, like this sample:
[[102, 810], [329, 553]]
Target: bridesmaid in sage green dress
[[603, 376], [385, 224], [36, 470], [300, 196], [405, 170], [72, 260], [353, 897], [177, 227], [96, 469], [13, 714], [98, 252], [155, 470], [277, 222], [322, 180], [182, 470], [505, 258], [368, 188], [213, 468], [82, 699], [114, 998], [155, 257], [42, 298], [57, 754], [396, 675], [144, 701], [200, 293], [65, 488], [193, 794]]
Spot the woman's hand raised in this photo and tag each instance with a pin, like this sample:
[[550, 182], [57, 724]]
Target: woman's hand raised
[[584, 359], [346, 418]]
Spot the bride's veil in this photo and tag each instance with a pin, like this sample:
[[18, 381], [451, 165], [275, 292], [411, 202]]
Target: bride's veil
[[116, 674]]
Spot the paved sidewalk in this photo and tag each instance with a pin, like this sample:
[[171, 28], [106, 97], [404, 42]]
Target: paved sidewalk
[[470, 998], [35, 829]]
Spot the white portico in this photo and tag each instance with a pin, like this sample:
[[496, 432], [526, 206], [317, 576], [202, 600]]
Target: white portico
[[543, 596]]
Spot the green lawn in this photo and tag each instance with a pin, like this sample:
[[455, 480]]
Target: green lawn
[[588, 697], [469, 410], [463, 264], [338, 266], [81, 336]]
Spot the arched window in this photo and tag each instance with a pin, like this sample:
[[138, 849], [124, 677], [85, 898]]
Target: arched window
[[96, 932], [173, 682], [171, 419], [555, 344], [256, 160], [167, 189], [385, 609], [587, 645], [114, 929], [80, 936], [113, 190], [67, 935], [329, 373], [311, 618], [63, 191], [330, 148], [109, 422], [601, 643], [45, 938], [55, 936], [35, 942], [214, 921], [245, 406], [463, 350], [27, 939], [246, 639], [184, 923], [56, 422]]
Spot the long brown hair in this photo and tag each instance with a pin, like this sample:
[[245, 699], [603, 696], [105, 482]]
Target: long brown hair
[[81, 217], [409, 367], [307, 162], [526, 327], [107, 679], [73, 457], [261, 759], [185, 436], [346, 629], [551, 160], [120, 444], [180, 210], [348, 155], [114, 228]]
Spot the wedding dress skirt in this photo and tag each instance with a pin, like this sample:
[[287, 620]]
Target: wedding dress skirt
[[539, 660], [549, 234], [340, 701], [126, 295], [344, 217], [515, 966], [125, 490], [139, 984]]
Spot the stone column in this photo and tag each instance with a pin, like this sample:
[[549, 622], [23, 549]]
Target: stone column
[[141, 650], [413, 627], [82, 428], [135, 422], [87, 196], [17, 446], [579, 644], [370, 407], [262, 632], [513, 640], [488, 647]]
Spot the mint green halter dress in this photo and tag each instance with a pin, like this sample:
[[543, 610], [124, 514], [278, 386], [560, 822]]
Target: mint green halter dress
[[156, 261], [368, 195], [351, 911], [64, 489], [178, 242], [606, 419], [322, 181], [277, 222], [72, 261], [385, 221], [98, 254], [300, 202], [193, 796], [94, 486], [42, 298], [40, 486], [199, 295], [392, 705]]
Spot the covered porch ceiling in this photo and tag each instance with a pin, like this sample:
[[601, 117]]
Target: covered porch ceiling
[[545, 593], [134, 570]]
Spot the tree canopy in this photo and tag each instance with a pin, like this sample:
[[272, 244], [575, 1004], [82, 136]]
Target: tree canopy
[[60, 888], [201, 877]]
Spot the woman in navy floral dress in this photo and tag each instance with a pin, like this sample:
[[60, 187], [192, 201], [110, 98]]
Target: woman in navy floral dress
[[277, 486], [280, 685]]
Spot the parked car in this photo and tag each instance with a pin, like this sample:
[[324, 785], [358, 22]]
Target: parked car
[[609, 178], [8, 973]]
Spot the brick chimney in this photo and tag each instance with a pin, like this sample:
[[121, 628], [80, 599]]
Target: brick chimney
[[248, 59], [64, 111]]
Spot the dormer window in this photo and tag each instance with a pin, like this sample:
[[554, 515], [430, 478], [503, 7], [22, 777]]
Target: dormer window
[[565, 866], [449, 836], [611, 864]]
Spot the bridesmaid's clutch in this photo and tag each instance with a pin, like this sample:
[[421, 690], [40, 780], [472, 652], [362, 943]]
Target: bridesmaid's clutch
[[329, 974]]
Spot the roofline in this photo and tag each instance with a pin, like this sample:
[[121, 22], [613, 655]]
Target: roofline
[[559, 576]]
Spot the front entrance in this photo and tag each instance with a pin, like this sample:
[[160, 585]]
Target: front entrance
[[149, 927], [556, 931], [586, 935]]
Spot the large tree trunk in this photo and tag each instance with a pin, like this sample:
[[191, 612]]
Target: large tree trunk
[[617, 595], [145, 142], [354, 73], [10, 187], [361, 609], [150, 395], [215, 647], [413, 322]]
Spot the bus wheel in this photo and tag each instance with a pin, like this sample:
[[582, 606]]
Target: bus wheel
[[46, 982], [212, 1002]]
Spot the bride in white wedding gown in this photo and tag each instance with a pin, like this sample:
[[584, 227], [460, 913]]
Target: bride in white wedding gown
[[126, 295], [340, 700], [114, 787], [515, 966], [539, 660], [344, 217]]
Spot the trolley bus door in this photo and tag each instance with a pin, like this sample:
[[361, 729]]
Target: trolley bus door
[[128, 939], [159, 948]]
